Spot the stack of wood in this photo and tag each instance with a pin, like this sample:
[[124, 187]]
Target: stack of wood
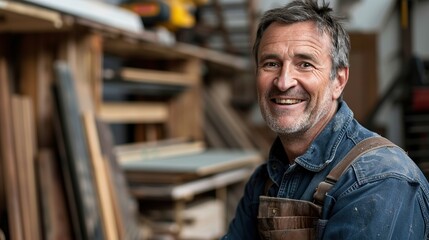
[[174, 180], [74, 191]]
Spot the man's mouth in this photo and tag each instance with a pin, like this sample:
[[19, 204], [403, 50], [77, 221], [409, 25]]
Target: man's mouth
[[286, 101]]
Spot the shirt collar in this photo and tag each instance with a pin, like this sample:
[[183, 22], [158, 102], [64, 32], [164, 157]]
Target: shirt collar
[[321, 151]]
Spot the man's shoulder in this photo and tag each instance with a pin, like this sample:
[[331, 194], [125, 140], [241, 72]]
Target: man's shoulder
[[387, 162]]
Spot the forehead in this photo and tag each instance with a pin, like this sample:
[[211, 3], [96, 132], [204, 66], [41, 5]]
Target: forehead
[[296, 34]]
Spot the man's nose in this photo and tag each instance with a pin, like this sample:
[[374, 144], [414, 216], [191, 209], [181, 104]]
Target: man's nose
[[285, 79]]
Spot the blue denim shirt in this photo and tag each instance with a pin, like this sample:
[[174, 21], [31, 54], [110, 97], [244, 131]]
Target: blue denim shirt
[[383, 195]]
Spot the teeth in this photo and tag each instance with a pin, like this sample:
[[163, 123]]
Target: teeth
[[288, 101]]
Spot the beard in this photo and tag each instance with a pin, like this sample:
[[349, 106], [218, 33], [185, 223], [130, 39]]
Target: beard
[[310, 117]]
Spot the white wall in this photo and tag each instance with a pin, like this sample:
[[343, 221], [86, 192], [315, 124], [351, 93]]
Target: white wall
[[420, 21], [389, 68]]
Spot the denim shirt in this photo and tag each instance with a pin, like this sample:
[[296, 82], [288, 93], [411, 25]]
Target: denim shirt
[[383, 195]]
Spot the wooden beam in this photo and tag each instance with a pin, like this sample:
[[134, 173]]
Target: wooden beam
[[56, 218], [23, 17], [8, 155], [156, 152], [134, 112], [25, 157], [125, 206], [101, 177], [178, 51], [189, 189], [155, 76], [77, 156]]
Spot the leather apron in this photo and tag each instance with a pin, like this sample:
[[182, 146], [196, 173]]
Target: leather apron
[[283, 218]]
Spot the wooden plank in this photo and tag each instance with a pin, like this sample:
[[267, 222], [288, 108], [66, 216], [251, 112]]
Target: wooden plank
[[101, 179], [95, 71], [187, 108], [29, 144], [112, 88], [56, 217], [22, 174], [21, 17], [188, 167], [77, 154], [125, 207], [134, 112], [135, 146], [66, 172], [188, 190], [143, 153], [178, 51], [36, 77], [8, 155], [154, 76]]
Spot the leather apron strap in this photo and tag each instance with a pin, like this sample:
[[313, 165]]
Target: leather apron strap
[[361, 148]]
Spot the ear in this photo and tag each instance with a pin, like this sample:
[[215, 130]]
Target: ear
[[340, 82]]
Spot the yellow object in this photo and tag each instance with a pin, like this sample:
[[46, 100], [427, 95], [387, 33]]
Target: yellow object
[[172, 14], [180, 17]]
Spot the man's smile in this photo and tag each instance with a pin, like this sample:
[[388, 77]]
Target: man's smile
[[286, 101]]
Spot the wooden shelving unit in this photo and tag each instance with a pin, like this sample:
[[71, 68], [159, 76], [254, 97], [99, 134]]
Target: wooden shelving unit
[[67, 158]]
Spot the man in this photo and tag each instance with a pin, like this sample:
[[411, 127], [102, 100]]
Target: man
[[301, 53]]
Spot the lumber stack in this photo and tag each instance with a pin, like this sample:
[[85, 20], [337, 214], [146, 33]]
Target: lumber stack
[[63, 174]]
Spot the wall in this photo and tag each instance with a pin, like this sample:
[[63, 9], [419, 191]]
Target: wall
[[420, 20]]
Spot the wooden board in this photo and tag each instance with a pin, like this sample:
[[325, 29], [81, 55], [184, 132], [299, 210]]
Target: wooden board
[[55, 217], [125, 206], [77, 155], [8, 155], [21, 17], [154, 76], [148, 152], [187, 190], [115, 88], [35, 81], [101, 178], [186, 167], [177, 51], [24, 137], [134, 112]]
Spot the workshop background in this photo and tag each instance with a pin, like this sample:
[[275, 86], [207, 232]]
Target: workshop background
[[138, 119]]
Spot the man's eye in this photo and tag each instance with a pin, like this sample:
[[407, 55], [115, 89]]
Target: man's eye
[[305, 65], [270, 65]]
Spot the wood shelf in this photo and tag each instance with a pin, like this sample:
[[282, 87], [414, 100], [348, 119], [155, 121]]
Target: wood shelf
[[134, 112]]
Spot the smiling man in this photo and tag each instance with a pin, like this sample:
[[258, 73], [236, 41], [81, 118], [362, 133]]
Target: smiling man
[[327, 177]]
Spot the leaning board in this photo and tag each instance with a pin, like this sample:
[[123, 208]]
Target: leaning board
[[78, 160]]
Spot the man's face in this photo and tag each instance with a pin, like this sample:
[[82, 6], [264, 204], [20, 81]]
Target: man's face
[[295, 92]]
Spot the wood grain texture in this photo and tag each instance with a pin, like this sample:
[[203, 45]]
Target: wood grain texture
[[8, 155], [55, 214], [101, 177], [125, 207]]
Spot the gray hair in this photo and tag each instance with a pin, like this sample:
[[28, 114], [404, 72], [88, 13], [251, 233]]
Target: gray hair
[[309, 10]]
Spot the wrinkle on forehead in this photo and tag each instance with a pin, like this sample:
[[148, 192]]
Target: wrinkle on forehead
[[301, 36]]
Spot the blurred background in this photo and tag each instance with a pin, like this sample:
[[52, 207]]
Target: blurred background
[[138, 119]]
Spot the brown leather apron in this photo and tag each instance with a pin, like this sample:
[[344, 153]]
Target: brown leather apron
[[283, 218]]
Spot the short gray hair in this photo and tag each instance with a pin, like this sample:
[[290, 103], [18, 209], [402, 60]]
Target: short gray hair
[[309, 10]]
